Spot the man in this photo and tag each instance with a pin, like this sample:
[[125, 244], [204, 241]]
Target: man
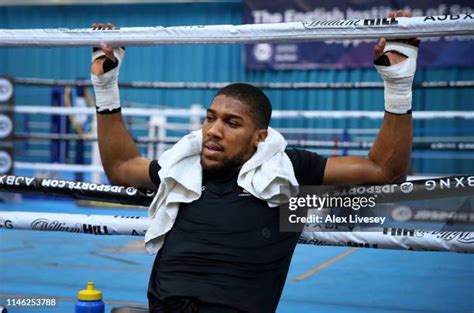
[[224, 252]]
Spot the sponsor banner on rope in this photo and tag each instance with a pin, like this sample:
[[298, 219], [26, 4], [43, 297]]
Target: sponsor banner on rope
[[435, 51], [462, 237], [6, 223], [395, 238], [45, 224], [11, 180], [76, 189], [75, 223], [387, 238]]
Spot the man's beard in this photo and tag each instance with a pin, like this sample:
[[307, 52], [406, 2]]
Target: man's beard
[[226, 165]]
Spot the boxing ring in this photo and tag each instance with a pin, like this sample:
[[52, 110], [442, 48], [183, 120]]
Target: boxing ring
[[162, 131], [127, 259]]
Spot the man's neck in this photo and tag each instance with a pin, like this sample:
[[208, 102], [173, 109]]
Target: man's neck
[[224, 174]]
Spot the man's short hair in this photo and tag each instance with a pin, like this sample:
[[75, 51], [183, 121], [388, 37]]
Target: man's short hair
[[258, 103]]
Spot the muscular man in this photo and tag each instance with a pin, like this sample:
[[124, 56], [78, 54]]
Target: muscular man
[[224, 251]]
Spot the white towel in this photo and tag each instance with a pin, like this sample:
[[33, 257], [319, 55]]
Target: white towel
[[263, 176]]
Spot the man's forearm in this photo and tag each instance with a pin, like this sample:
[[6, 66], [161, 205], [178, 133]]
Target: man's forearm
[[115, 144], [389, 158], [120, 157], [391, 150]]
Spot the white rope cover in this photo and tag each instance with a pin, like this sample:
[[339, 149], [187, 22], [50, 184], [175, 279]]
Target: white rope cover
[[403, 239], [399, 239], [402, 27]]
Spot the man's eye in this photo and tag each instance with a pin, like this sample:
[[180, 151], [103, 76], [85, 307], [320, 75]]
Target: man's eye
[[233, 124], [209, 118]]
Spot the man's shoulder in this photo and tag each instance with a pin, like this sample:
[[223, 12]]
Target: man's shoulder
[[309, 166], [296, 154]]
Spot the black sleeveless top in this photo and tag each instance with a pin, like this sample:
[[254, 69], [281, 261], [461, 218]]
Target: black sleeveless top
[[226, 247]]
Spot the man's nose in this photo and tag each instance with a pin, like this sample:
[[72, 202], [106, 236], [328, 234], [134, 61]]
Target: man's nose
[[215, 129]]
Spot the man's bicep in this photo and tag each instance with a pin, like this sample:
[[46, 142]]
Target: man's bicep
[[137, 173], [352, 170]]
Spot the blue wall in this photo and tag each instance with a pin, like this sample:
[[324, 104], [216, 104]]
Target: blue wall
[[214, 63]]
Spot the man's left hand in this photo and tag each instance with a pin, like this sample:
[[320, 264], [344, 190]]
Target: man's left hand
[[393, 56]]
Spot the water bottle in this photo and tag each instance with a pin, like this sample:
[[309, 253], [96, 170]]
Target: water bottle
[[89, 300]]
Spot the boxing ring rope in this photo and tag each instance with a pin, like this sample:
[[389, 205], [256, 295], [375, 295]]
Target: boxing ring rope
[[421, 189], [464, 144], [340, 114], [99, 169], [438, 145], [218, 85], [400, 27], [386, 238]]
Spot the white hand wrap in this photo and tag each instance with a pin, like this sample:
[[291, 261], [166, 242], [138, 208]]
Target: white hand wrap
[[107, 97], [398, 78]]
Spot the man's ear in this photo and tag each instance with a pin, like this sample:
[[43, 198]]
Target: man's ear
[[261, 135]]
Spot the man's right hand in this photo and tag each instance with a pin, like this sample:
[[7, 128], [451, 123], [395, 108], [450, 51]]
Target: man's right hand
[[103, 58], [120, 157], [105, 69]]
